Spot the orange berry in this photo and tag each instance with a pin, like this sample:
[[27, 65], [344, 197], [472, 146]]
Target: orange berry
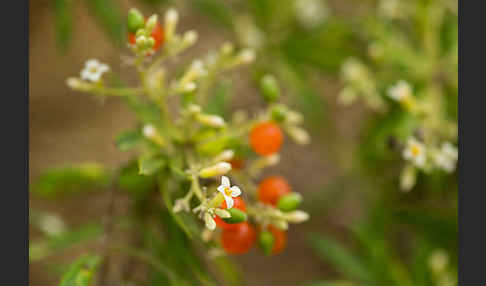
[[239, 204], [238, 240], [237, 163], [280, 239], [157, 34], [266, 138], [272, 188]]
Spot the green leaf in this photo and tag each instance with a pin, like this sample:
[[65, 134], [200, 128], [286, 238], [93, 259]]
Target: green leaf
[[220, 100], [131, 181], [341, 258], [63, 21], [110, 17], [128, 139], [81, 272], [149, 165], [72, 179]]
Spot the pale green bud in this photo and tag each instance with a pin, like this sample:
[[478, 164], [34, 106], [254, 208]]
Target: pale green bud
[[215, 170]]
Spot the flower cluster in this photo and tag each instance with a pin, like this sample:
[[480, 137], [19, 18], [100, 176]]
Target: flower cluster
[[182, 144], [412, 91]]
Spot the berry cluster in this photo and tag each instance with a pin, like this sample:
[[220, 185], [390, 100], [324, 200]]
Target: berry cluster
[[182, 145]]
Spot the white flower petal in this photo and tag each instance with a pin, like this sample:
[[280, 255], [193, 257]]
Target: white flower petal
[[221, 189], [235, 191], [229, 201], [92, 63], [225, 182]]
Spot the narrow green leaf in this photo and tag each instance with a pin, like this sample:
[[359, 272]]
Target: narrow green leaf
[[63, 21], [72, 179], [81, 272], [341, 258], [110, 17], [149, 165]]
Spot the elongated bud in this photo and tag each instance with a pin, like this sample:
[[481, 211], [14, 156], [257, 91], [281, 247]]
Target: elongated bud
[[297, 216], [210, 223], [222, 213], [226, 155], [211, 120], [135, 20], [408, 178], [150, 132], [77, 84], [171, 18], [289, 202], [293, 117], [150, 24], [237, 216], [269, 88], [215, 170], [299, 135], [189, 87], [266, 241]]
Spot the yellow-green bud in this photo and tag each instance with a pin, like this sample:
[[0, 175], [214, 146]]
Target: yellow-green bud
[[222, 213], [210, 223], [150, 24], [269, 88], [135, 20], [215, 170]]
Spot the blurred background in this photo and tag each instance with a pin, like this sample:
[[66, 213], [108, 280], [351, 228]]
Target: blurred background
[[363, 229]]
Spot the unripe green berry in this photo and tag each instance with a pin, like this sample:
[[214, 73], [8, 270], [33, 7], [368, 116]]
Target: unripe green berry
[[237, 216], [135, 20], [269, 88], [266, 241], [279, 113], [289, 202]]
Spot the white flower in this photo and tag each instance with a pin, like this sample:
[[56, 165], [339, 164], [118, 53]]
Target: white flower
[[415, 152], [400, 91], [149, 131], [93, 70], [228, 192], [446, 158]]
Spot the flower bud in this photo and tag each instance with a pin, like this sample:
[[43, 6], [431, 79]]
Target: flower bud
[[211, 120], [269, 88], [150, 24], [181, 205], [266, 241], [299, 135], [294, 117], [135, 20], [215, 170], [194, 109], [222, 213], [189, 38], [237, 216], [226, 155], [247, 56], [210, 223], [289, 202], [188, 87], [297, 216], [170, 23], [408, 178], [149, 131], [438, 261], [77, 84]]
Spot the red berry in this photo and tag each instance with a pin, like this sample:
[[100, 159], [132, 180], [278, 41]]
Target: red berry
[[157, 34], [272, 188], [237, 163], [266, 138], [238, 240], [239, 204], [280, 237]]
